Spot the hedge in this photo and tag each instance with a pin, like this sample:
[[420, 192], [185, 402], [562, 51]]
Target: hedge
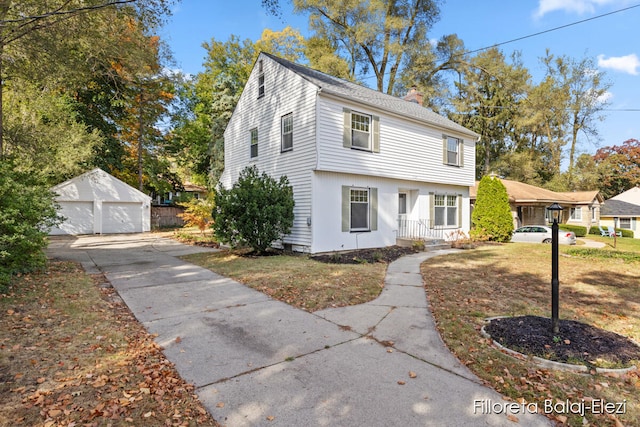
[[579, 230], [625, 233]]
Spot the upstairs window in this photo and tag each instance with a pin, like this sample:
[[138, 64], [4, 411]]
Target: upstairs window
[[452, 149], [254, 142], [286, 129], [260, 80], [361, 131]]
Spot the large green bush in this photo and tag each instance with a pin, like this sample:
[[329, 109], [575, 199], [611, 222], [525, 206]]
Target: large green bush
[[27, 211], [579, 230], [491, 218], [255, 212]]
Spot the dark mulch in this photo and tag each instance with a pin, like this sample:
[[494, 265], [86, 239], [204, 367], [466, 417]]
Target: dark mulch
[[576, 343], [363, 256]]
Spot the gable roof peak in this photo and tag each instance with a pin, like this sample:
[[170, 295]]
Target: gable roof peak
[[353, 92]]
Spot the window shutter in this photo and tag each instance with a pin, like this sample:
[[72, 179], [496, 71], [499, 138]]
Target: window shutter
[[373, 209], [376, 134], [346, 205], [461, 153], [460, 210], [346, 132], [444, 149], [432, 210]]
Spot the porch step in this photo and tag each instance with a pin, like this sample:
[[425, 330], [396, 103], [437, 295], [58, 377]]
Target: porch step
[[429, 244]]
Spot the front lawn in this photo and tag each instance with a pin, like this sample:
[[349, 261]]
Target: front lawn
[[514, 280], [297, 279]]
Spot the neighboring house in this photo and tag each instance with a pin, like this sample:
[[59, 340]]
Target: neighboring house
[[190, 191], [529, 204], [99, 203], [630, 196], [365, 167], [622, 215]]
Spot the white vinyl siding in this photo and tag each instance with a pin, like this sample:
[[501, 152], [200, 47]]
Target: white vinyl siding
[[298, 163], [407, 149]]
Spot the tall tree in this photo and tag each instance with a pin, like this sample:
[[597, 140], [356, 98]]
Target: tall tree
[[585, 90], [65, 40], [619, 167], [489, 98], [373, 35]]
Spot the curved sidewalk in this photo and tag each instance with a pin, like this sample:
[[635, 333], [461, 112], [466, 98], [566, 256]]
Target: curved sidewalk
[[256, 361]]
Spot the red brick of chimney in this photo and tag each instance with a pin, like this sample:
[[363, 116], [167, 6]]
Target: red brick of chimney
[[414, 96]]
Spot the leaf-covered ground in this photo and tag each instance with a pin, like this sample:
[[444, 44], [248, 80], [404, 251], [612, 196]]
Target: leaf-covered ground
[[514, 280], [71, 354]]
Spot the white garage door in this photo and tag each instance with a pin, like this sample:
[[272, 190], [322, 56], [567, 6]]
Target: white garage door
[[121, 217], [79, 218]]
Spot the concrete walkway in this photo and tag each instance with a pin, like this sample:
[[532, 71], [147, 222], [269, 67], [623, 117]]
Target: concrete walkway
[[256, 361], [588, 243]]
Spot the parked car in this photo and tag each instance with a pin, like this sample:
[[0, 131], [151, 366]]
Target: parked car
[[542, 234]]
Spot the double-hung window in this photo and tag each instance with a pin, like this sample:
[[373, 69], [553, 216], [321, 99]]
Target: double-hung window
[[359, 209], [361, 131], [445, 210], [286, 129], [452, 149], [625, 223], [254, 142], [359, 201]]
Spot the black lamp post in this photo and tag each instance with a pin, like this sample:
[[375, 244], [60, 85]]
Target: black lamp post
[[555, 283]]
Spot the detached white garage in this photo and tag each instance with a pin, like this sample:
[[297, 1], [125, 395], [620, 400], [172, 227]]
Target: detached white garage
[[99, 203]]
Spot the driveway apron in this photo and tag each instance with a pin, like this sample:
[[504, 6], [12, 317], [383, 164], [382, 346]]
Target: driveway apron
[[256, 361]]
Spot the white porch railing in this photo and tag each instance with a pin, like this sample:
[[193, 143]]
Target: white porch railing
[[419, 229]]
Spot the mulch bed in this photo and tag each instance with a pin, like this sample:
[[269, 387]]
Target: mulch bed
[[363, 256], [575, 343]]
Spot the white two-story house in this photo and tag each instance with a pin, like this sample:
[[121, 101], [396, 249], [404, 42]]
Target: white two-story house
[[365, 167]]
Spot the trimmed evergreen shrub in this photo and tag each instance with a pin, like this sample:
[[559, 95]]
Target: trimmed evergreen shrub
[[255, 212], [491, 218], [579, 230]]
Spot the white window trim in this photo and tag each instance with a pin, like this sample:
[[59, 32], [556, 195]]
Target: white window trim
[[573, 212], [373, 145], [459, 161], [446, 206], [368, 203], [252, 144], [283, 133]]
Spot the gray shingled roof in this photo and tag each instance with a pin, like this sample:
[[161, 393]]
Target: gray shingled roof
[[354, 92], [614, 207]]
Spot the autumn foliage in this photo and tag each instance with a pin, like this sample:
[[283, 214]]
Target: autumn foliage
[[71, 353]]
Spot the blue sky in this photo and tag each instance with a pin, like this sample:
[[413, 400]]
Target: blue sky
[[611, 40]]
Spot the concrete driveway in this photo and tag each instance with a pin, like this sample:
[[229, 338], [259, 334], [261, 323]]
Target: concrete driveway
[[256, 361]]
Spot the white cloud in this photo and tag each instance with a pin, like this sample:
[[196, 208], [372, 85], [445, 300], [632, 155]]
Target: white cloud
[[627, 64], [570, 6]]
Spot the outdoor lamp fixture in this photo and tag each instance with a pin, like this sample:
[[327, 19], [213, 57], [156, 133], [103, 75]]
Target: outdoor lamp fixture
[[555, 283]]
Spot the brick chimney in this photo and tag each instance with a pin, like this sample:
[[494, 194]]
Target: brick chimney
[[414, 96]]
